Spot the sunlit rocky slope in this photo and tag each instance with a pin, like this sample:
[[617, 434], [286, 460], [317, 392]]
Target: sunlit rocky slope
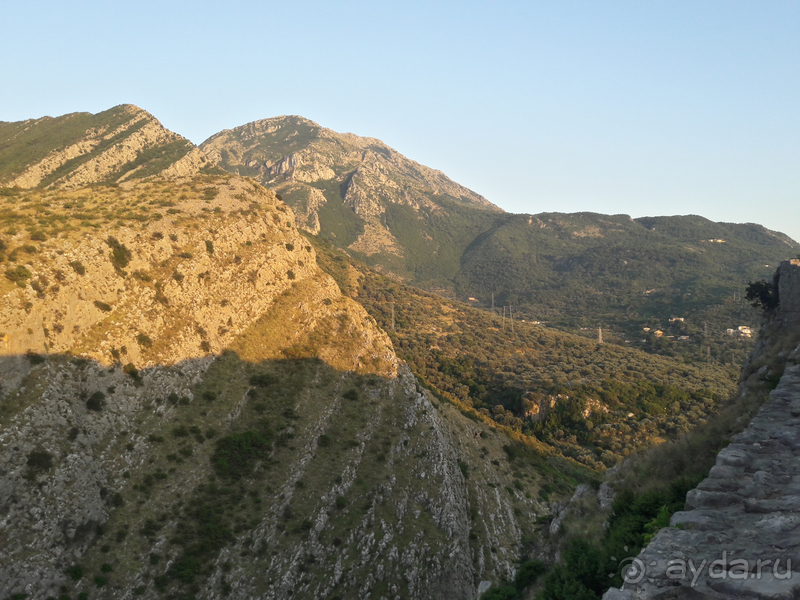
[[189, 407]]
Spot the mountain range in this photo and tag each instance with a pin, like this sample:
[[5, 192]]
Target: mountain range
[[572, 270], [223, 372]]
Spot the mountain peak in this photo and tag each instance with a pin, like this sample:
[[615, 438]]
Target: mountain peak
[[356, 190]]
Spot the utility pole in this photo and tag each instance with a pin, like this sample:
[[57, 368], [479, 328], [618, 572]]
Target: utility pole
[[599, 335], [492, 301], [393, 329], [504, 318], [511, 316]]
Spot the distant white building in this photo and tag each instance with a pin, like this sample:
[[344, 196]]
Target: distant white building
[[742, 331]]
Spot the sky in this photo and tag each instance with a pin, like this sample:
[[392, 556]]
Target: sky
[[643, 108]]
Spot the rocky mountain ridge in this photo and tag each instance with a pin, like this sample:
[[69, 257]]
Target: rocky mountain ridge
[[79, 149]]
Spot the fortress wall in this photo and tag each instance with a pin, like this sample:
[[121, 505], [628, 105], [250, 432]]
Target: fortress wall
[[789, 290]]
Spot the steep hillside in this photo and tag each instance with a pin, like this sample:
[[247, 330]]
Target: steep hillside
[[78, 149], [190, 407], [395, 213]]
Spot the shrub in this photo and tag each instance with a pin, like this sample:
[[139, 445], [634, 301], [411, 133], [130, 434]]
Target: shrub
[[96, 401], [177, 276], [75, 572], [350, 394], [102, 306], [205, 346], [341, 502], [209, 246], [503, 592], [120, 255], [263, 380], [18, 275], [763, 295], [39, 461], [106, 568], [144, 340], [78, 267], [235, 454], [130, 369], [289, 247], [290, 274], [100, 581], [38, 236], [528, 573], [33, 358]]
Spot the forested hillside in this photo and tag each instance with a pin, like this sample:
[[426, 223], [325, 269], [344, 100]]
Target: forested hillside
[[592, 402]]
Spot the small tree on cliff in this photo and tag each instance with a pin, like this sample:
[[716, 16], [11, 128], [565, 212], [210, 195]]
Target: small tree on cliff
[[763, 294]]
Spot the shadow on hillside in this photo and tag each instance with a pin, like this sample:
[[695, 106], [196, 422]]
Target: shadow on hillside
[[102, 446]]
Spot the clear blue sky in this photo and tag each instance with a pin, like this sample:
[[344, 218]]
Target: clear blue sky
[[643, 107]]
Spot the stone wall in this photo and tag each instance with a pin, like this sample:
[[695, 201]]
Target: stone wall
[[789, 290]]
